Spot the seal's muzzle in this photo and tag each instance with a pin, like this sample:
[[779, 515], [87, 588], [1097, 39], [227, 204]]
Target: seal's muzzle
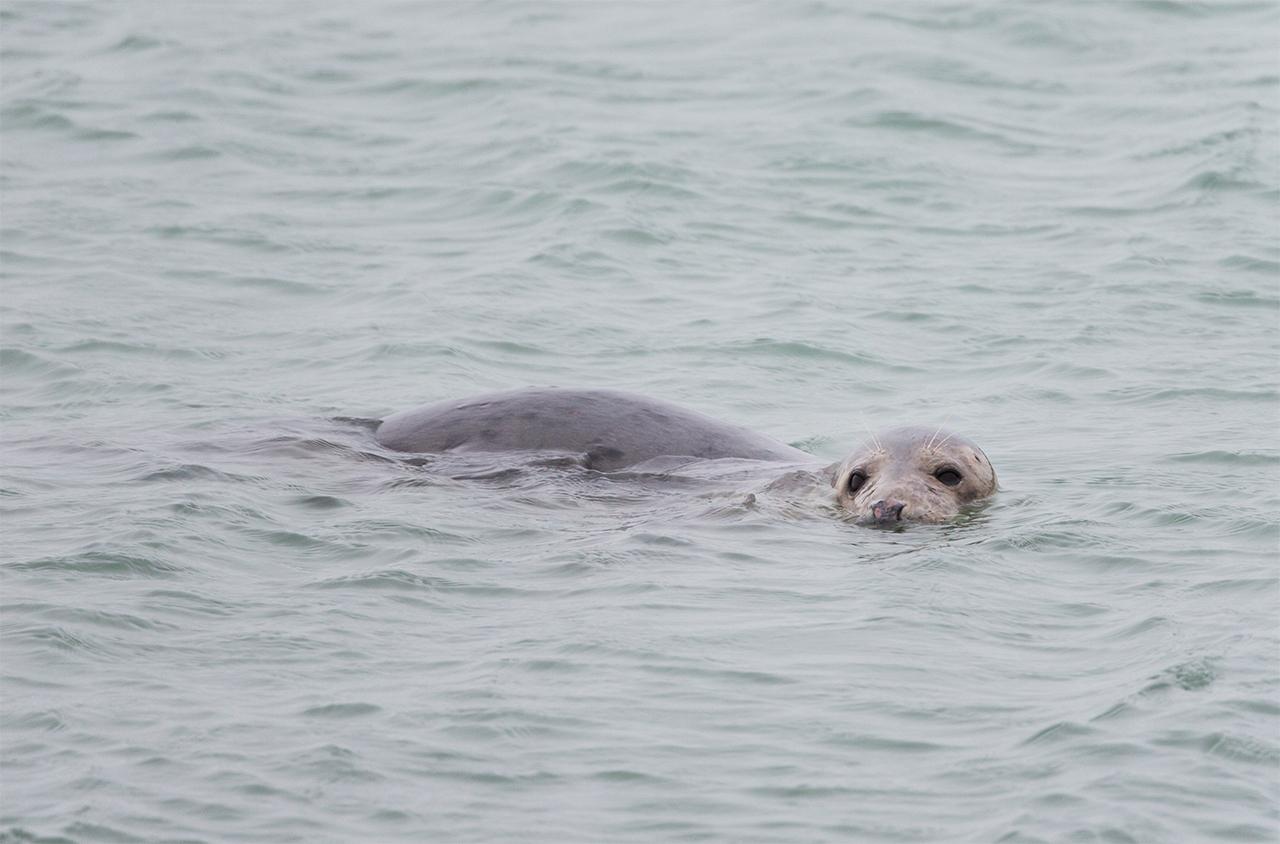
[[887, 510]]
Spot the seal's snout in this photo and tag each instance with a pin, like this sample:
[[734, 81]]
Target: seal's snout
[[887, 510]]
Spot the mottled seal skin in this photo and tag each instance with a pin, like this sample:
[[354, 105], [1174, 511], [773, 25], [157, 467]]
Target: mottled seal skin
[[907, 474], [913, 474], [608, 429]]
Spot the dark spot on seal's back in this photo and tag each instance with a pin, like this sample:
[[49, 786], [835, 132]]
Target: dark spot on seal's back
[[602, 456], [488, 434]]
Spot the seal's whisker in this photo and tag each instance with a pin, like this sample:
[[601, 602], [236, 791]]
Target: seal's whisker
[[945, 420], [874, 439]]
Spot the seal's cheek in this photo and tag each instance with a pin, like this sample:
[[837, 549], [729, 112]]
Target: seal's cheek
[[849, 501], [859, 502], [932, 512]]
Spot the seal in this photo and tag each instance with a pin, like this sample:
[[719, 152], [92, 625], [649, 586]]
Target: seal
[[906, 474], [917, 474]]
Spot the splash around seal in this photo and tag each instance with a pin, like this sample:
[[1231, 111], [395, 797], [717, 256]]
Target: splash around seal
[[905, 474]]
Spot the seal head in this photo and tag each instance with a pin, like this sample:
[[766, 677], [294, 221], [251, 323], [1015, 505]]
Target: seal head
[[913, 474]]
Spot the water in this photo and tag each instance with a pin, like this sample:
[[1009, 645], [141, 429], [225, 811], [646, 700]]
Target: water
[[229, 616]]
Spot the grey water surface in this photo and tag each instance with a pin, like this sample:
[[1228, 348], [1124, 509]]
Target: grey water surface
[[232, 230]]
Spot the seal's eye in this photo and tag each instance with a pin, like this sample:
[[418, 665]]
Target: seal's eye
[[950, 477], [856, 480]]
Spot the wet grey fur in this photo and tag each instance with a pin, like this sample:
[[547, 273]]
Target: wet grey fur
[[609, 429]]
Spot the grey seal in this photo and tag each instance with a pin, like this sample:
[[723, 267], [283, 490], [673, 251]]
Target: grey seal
[[904, 474], [917, 474]]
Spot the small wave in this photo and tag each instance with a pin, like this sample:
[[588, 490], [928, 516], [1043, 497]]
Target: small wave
[[1176, 393], [104, 563], [1256, 586], [251, 240], [20, 362], [85, 615], [335, 764], [636, 236], [1108, 211], [398, 580], [274, 284], [255, 82], [736, 676], [172, 116], [799, 350], [511, 347], [27, 115], [946, 18], [187, 472], [430, 89], [321, 502], [622, 775], [809, 792], [412, 530], [603, 173], [1228, 458], [189, 152], [1061, 731], [394, 579], [1245, 749], [53, 636], [341, 710], [1200, 144], [95, 346], [910, 121], [650, 187], [48, 721], [413, 350], [136, 43], [1254, 265], [1239, 299], [100, 135], [892, 745], [1214, 181], [293, 539], [1239, 748], [1129, 631], [187, 603], [1194, 9], [301, 447]]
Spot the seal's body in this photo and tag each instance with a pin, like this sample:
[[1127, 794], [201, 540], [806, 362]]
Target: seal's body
[[905, 474], [608, 429]]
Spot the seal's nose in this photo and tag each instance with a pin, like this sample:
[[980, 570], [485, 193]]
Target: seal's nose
[[887, 510]]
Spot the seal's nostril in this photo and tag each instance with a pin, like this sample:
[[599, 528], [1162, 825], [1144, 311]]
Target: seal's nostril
[[887, 510]]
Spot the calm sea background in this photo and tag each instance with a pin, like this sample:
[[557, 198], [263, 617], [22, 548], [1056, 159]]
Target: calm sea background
[[228, 615]]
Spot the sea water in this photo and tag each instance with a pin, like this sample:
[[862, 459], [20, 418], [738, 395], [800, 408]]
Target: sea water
[[231, 229]]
